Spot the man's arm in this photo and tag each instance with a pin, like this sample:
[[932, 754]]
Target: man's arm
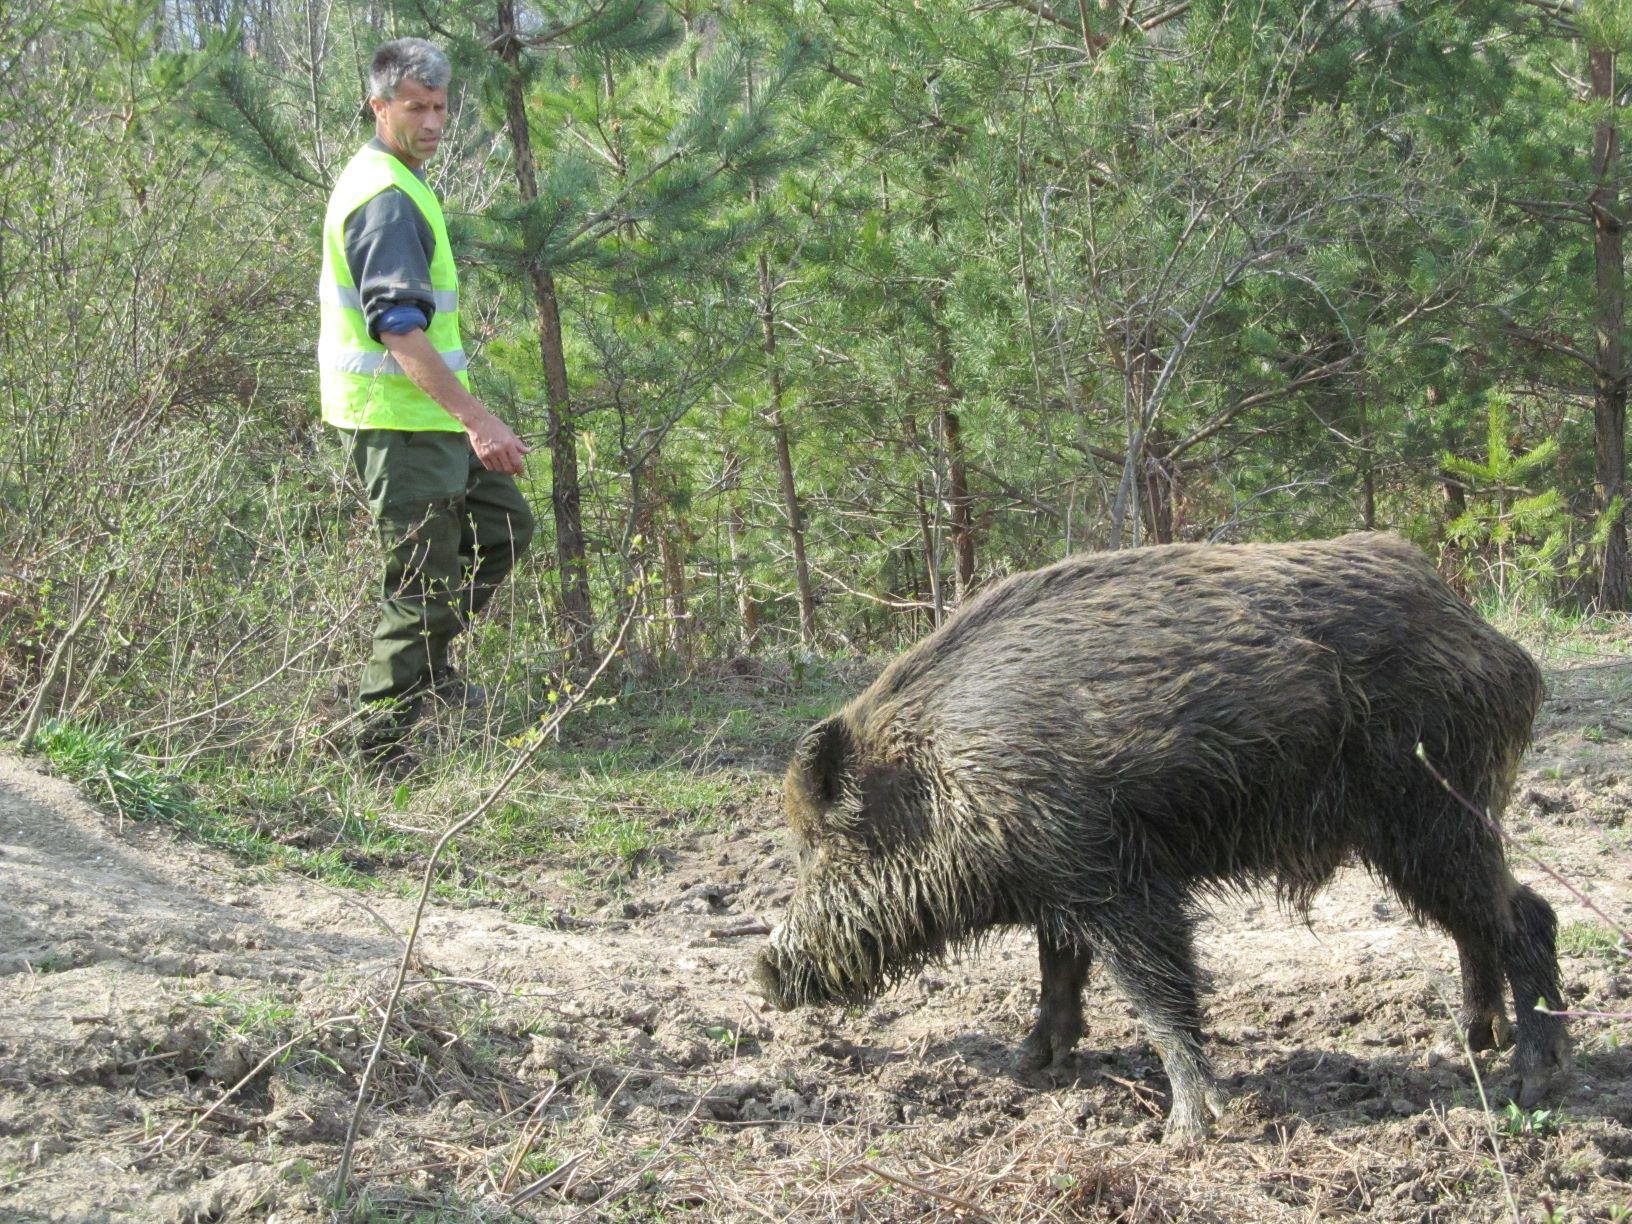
[[495, 444], [388, 249]]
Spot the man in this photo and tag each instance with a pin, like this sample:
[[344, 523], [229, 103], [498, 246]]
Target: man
[[438, 467]]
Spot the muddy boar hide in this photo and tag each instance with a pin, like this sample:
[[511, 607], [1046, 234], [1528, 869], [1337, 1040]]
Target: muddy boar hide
[[1090, 748]]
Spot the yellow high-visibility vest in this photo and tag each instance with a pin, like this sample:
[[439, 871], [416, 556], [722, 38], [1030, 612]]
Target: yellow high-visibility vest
[[363, 387]]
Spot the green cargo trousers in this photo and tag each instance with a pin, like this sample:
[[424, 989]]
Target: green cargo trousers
[[452, 531]]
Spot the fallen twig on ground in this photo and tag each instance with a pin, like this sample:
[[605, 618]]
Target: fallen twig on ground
[[920, 1188], [541, 736]]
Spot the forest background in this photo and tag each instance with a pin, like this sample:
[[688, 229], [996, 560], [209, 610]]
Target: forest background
[[820, 316]]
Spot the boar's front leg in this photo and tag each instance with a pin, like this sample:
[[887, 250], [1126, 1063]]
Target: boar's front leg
[[1059, 1008], [1144, 937]]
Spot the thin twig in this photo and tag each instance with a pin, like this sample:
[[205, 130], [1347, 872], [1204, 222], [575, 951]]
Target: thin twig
[[559, 1174], [750, 926], [25, 738], [258, 685], [529, 1136], [1586, 901], [1583, 1014], [540, 738], [1490, 1128], [922, 1189]]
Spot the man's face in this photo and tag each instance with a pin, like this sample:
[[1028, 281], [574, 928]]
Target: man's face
[[411, 123]]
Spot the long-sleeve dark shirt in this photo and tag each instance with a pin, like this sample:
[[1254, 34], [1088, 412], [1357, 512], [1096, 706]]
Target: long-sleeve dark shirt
[[389, 245]]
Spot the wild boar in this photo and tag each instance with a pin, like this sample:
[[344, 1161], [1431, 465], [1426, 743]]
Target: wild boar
[[1091, 748]]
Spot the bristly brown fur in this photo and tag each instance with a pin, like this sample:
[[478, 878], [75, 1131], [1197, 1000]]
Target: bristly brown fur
[[1087, 747]]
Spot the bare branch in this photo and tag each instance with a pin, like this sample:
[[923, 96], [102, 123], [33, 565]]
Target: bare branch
[[1222, 421], [1162, 18], [1549, 210], [541, 737]]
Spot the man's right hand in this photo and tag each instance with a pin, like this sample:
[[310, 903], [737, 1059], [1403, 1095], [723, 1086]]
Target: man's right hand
[[496, 444]]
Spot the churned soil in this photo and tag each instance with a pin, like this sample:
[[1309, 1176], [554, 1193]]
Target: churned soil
[[181, 1037]]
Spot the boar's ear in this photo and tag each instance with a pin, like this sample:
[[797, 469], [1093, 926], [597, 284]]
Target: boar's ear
[[822, 759]]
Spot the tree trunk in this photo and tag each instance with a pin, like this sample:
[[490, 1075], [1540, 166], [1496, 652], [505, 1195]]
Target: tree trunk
[[1124, 494], [1452, 556], [570, 552], [779, 433], [672, 543], [958, 506], [932, 560], [736, 530], [747, 605], [796, 529], [1140, 368], [644, 643], [784, 454], [1160, 481], [1609, 382], [958, 503], [927, 526], [1368, 473], [1161, 485]]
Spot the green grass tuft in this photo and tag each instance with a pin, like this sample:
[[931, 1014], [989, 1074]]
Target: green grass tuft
[[1515, 1121], [1590, 939], [109, 773]]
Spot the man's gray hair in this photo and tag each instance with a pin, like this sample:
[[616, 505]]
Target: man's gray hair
[[403, 59]]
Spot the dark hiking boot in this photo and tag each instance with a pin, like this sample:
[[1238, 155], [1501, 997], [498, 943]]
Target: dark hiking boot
[[453, 690], [382, 738], [392, 764]]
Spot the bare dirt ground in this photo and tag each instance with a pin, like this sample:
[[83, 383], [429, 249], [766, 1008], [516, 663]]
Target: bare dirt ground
[[180, 1038]]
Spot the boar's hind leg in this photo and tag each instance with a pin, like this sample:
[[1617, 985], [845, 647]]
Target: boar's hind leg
[[1146, 944], [1465, 902], [1531, 953], [1501, 930], [1482, 1022], [1059, 1009]]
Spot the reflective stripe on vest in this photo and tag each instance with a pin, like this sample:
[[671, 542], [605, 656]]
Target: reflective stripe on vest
[[363, 385], [348, 297], [384, 363]]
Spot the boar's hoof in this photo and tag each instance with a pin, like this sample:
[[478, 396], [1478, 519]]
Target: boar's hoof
[[1191, 1119], [1539, 1083], [1491, 1031], [1046, 1051], [1497, 1032], [1534, 1088], [1038, 1060], [1537, 1086]]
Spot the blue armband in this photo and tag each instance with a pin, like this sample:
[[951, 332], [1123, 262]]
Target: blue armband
[[400, 319]]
